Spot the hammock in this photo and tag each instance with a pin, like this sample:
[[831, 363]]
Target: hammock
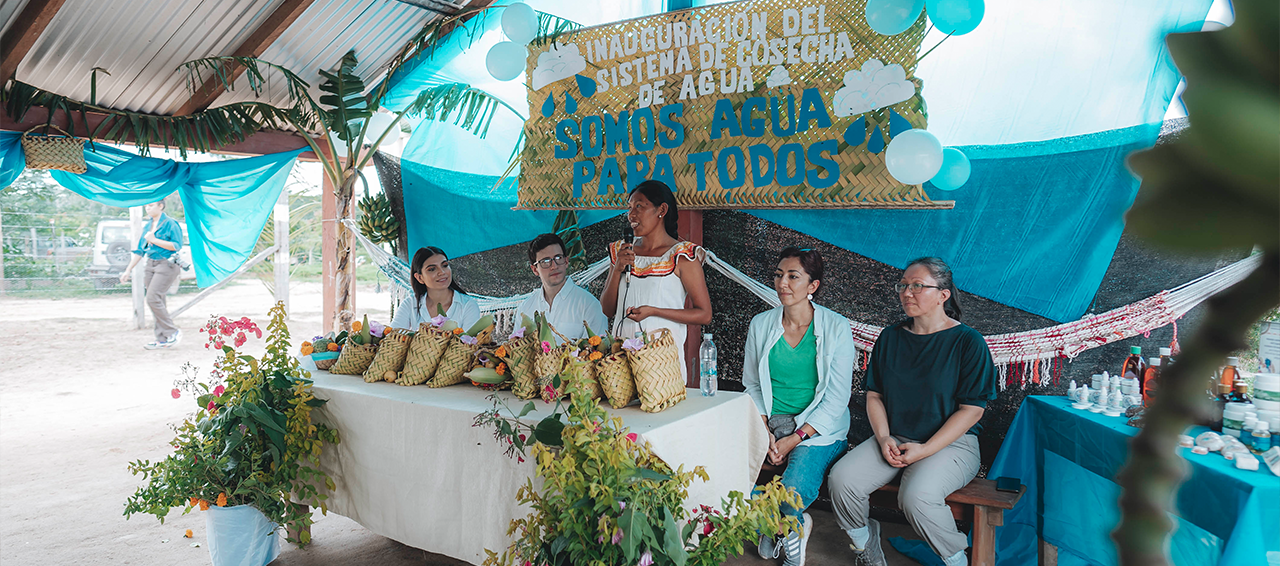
[[1017, 353]]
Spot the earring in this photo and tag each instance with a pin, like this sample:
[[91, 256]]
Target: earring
[[810, 296]]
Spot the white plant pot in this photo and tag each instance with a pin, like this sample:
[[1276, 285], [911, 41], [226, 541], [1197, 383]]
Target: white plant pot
[[241, 536]]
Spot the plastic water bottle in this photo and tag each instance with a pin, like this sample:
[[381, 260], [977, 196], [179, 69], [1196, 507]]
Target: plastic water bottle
[[708, 380]]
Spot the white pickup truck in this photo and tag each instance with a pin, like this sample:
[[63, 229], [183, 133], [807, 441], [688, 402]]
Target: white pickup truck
[[112, 250]]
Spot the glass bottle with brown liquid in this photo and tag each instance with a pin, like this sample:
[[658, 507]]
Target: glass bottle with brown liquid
[[1134, 367], [1230, 373], [1149, 378]]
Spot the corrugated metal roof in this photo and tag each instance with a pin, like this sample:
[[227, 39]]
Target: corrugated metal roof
[[142, 42]]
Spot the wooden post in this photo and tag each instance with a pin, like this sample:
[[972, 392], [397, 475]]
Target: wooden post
[[691, 230], [329, 249], [139, 272], [283, 256], [985, 520]]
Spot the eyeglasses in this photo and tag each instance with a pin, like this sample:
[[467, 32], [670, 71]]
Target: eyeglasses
[[913, 287], [546, 263]]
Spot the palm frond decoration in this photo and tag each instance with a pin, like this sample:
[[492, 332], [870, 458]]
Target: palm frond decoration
[[566, 226], [550, 28], [309, 114]]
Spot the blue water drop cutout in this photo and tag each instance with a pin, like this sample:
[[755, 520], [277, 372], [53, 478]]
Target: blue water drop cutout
[[549, 107], [570, 104], [876, 145], [897, 124], [856, 133], [586, 86]]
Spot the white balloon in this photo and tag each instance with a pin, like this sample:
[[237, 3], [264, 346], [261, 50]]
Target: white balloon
[[520, 23], [913, 157], [506, 60], [381, 122]]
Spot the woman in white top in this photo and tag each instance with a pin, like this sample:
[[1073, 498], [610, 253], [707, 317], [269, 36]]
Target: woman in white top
[[651, 279], [433, 289]]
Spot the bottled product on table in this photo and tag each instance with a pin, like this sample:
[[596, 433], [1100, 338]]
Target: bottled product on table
[[1246, 433], [1134, 366], [1166, 357], [1262, 436], [1239, 391], [1229, 373], [1218, 402], [1149, 379], [708, 378]]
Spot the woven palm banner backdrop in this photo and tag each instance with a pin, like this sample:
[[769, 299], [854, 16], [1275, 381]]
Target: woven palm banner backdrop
[[757, 104]]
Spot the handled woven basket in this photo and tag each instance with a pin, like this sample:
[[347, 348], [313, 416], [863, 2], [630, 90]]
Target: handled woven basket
[[656, 369], [63, 153], [458, 359], [354, 359], [582, 373], [387, 363], [546, 366], [613, 372], [519, 358], [424, 355]]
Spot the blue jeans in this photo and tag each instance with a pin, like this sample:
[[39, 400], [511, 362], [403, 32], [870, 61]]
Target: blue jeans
[[806, 469]]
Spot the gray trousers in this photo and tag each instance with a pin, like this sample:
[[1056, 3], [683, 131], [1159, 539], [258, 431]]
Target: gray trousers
[[922, 494], [160, 274]]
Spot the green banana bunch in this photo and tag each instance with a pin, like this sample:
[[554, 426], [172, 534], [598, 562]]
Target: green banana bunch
[[376, 220]]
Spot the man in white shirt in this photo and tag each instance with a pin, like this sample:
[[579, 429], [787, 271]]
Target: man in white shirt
[[566, 305]]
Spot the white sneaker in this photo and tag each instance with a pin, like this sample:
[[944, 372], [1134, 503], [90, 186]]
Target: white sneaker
[[794, 545], [154, 345], [768, 547], [177, 337]]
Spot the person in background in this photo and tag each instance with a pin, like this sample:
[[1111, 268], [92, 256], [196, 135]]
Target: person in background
[[928, 383], [650, 279], [434, 289], [161, 239], [566, 305], [798, 368]]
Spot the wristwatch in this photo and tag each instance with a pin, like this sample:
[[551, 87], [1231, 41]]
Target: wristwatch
[[802, 434]]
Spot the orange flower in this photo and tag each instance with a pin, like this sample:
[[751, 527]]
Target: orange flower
[[204, 505], [187, 534], [333, 347], [594, 340], [356, 326], [306, 350], [501, 352], [306, 343], [502, 369], [595, 356], [222, 499], [194, 501], [457, 331]]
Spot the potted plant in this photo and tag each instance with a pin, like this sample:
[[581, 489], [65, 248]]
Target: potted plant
[[248, 452]]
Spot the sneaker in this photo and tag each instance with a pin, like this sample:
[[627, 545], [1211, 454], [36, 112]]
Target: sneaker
[[794, 545], [873, 554], [153, 345], [768, 547], [177, 337]]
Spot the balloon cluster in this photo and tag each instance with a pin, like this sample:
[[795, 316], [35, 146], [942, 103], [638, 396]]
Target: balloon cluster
[[952, 17], [506, 59]]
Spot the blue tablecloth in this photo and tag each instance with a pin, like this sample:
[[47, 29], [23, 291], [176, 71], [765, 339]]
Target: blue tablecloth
[[1068, 459]]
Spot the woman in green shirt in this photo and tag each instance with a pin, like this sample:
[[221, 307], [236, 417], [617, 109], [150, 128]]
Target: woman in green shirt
[[928, 383], [798, 368]]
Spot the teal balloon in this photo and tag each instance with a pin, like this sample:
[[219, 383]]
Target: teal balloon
[[955, 17], [856, 133], [520, 23], [892, 17], [586, 86], [570, 104], [876, 144], [549, 107], [913, 157], [954, 172]]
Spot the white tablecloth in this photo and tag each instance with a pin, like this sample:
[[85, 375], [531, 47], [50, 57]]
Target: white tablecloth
[[412, 468]]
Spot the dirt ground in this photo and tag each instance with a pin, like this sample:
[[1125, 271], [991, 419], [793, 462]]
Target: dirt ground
[[80, 399]]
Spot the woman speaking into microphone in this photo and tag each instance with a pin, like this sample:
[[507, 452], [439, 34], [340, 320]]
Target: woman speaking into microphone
[[651, 278]]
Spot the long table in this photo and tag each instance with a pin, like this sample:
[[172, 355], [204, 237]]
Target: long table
[[1068, 460], [411, 467]]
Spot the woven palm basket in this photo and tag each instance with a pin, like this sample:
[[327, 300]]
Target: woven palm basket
[[456, 360], [354, 359], [583, 374], [548, 365], [63, 153], [656, 369], [424, 355], [519, 360], [613, 373], [392, 351]]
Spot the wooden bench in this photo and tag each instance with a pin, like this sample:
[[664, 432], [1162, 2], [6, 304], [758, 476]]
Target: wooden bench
[[978, 502]]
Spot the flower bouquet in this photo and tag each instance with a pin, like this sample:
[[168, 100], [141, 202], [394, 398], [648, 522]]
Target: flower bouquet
[[357, 349], [324, 351], [518, 354], [251, 441], [459, 357]]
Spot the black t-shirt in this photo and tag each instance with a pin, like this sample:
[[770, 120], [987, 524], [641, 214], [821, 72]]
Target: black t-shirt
[[924, 379]]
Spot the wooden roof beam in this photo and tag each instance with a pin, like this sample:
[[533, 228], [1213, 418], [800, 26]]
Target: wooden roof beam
[[254, 46], [22, 36]]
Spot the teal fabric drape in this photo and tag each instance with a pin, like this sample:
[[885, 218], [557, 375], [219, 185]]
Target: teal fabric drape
[[226, 202], [11, 158]]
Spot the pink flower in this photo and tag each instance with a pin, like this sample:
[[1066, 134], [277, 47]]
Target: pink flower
[[520, 459], [175, 393], [210, 406], [622, 505], [633, 344], [518, 334], [632, 436], [617, 536], [438, 320], [218, 344], [706, 529], [546, 347], [240, 339], [257, 331], [218, 391], [646, 559], [468, 340]]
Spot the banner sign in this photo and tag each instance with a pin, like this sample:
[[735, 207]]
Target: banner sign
[[753, 104]]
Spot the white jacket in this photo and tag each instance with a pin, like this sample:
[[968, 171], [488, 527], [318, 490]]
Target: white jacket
[[829, 412]]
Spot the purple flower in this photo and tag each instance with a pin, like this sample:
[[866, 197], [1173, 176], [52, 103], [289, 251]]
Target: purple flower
[[376, 328], [633, 344], [646, 559], [622, 505], [468, 340], [617, 537], [518, 334], [438, 320]]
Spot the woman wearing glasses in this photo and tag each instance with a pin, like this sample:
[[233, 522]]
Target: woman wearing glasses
[[798, 368], [928, 383], [434, 289], [650, 279], [568, 307]]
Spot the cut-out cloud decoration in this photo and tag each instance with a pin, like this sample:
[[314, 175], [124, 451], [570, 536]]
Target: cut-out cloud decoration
[[558, 63], [876, 85], [779, 77]]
